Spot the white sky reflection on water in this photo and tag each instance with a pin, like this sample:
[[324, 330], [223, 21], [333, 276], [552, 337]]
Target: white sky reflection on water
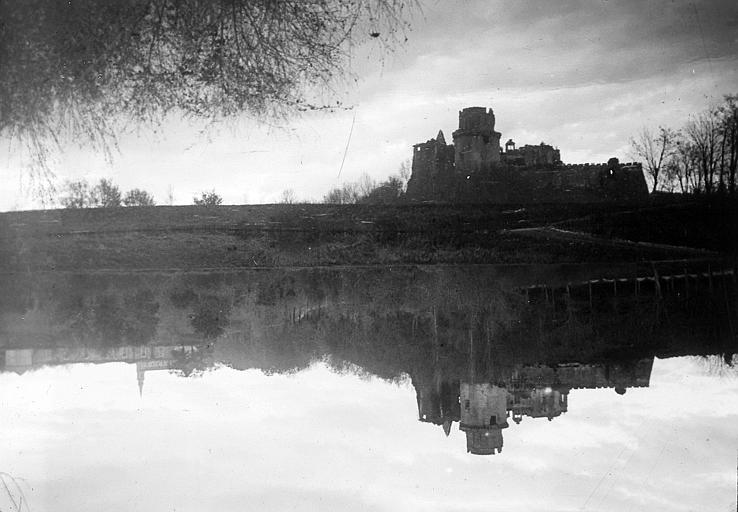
[[80, 438]]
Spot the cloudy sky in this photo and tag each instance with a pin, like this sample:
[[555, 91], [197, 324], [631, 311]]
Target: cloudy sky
[[583, 75], [80, 438]]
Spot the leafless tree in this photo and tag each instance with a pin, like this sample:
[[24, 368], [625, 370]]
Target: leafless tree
[[288, 197], [86, 69], [365, 185], [704, 137], [680, 167], [728, 122], [346, 194], [654, 149], [404, 172], [76, 194]]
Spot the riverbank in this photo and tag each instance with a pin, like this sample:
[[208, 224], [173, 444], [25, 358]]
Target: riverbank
[[223, 237]]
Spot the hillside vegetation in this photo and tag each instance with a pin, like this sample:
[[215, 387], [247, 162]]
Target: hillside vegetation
[[192, 237]]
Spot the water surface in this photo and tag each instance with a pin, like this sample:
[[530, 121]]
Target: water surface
[[456, 388]]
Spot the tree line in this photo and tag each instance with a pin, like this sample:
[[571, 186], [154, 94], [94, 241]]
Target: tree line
[[106, 194], [699, 158], [367, 190]]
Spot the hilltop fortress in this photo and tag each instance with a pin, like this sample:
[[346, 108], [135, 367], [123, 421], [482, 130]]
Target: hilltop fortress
[[476, 168]]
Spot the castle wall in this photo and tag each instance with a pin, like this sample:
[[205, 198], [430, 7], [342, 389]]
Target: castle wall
[[561, 183], [545, 403], [586, 376], [473, 169], [543, 154], [25, 359]]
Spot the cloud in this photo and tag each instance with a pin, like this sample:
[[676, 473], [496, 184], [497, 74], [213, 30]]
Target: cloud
[[566, 44], [81, 437], [582, 75]]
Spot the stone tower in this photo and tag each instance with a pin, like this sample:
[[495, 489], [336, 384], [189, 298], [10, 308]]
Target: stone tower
[[433, 169], [438, 400], [476, 143], [483, 416]]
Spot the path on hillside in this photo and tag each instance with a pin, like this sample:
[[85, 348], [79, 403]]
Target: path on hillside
[[552, 233]]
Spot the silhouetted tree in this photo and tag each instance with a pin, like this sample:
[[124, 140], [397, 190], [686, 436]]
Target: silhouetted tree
[[346, 194], [365, 186], [208, 199], [680, 167], [106, 194], [79, 194], [704, 137], [138, 197], [287, 197], [702, 157], [728, 122], [654, 149], [78, 68], [76, 195], [389, 191]]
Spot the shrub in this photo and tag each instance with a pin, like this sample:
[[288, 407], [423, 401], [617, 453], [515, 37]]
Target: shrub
[[208, 199], [138, 197]]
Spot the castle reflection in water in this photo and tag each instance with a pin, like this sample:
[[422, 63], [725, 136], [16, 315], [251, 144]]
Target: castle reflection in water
[[484, 409], [484, 347]]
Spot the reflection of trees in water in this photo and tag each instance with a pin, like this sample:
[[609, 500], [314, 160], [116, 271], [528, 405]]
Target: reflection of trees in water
[[725, 365], [277, 291], [192, 362], [458, 323], [109, 318], [390, 321], [182, 298], [209, 305], [280, 349], [210, 316]]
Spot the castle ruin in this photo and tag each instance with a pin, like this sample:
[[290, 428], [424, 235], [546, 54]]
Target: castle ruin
[[475, 168]]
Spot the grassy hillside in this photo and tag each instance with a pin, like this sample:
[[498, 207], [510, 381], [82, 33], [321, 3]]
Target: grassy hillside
[[191, 237]]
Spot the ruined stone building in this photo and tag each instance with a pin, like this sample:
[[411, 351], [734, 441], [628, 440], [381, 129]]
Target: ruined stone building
[[482, 409], [476, 168], [483, 416]]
